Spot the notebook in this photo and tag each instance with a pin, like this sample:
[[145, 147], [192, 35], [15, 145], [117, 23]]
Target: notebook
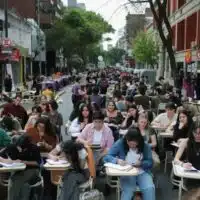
[[119, 167], [58, 162]]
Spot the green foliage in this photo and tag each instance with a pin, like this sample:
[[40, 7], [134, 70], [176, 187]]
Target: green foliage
[[76, 32], [145, 50], [114, 56]]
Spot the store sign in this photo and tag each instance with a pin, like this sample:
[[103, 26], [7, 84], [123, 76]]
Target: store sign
[[188, 57]]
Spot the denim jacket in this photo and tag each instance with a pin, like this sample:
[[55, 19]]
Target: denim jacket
[[117, 152]]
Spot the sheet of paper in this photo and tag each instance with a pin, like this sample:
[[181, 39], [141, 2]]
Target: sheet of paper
[[119, 167], [58, 162], [12, 165]]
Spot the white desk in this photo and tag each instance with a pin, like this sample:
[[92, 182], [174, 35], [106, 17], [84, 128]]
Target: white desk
[[179, 171], [12, 169], [60, 167], [111, 172]]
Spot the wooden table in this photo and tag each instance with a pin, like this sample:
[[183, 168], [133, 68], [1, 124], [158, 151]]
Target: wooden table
[[111, 172], [179, 171]]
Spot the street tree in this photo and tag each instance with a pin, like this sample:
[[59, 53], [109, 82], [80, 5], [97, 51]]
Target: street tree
[[76, 31], [159, 10], [145, 49], [114, 55]]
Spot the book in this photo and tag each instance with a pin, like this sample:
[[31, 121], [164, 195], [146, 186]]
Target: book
[[119, 167]]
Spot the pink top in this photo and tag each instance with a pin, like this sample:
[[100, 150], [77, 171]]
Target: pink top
[[107, 139]]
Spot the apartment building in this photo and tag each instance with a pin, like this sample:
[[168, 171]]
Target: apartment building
[[184, 17]]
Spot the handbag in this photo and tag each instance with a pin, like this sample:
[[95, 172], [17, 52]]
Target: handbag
[[91, 195]]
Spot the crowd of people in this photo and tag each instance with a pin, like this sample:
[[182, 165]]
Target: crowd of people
[[115, 119]]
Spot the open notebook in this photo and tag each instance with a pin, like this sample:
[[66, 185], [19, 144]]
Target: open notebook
[[119, 167], [12, 165]]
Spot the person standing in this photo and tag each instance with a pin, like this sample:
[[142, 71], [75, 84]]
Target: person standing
[[8, 83]]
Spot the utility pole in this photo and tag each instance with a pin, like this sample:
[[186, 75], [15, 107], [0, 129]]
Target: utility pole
[[39, 35], [6, 18]]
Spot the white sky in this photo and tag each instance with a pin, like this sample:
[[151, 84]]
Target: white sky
[[107, 8]]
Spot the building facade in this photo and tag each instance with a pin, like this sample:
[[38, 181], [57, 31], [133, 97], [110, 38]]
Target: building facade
[[18, 52], [72, 3], [184, 17]]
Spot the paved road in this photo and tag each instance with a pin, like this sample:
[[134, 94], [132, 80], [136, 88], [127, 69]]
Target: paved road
[[164, 190]]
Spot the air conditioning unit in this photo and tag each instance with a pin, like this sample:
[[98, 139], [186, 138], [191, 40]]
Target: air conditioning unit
[[193, 44]]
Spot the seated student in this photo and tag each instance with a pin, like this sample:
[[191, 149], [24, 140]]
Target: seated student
[[119, 101], [148, 133], [84, 118], [43, 134], [134, 151], [165, 120], [22, 152], [84, 154], [112, 114], [183, 126], [95, 97], [191, 147], [74, 176], [97, 133], [142, 99], [48, 92], [131, 117], [36, 113]]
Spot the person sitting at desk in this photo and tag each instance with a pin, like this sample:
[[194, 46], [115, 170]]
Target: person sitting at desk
[[166, 119], [97, 133], [131, 117], [15, 109], [190, 148], [84, 118], [147, 132], [36, 113], [112, 114], [43, 135], [134, 151], [29, 154], [183, 126], [74, 176]]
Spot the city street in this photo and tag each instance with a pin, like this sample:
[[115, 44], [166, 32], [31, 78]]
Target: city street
[[164, 190]]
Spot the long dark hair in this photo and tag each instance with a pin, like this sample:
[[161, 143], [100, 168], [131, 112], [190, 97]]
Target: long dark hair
[[190, 122], [48, 128], [111, 101], [134, 134], [80, 115], [191, 147], [71, 148], [130, 119]]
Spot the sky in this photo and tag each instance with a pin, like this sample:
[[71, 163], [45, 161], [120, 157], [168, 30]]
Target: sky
[[111, 11]]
